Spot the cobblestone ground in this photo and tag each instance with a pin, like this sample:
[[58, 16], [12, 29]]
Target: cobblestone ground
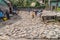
[[27, 28]]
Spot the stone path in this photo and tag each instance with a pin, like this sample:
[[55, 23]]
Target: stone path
[[29, 29]]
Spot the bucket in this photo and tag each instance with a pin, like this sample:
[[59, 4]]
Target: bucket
[[5, 19]]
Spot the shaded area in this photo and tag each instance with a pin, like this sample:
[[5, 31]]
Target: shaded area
[[13, 19]]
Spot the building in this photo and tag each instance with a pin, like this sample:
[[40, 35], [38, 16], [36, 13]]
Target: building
[[53, 4]]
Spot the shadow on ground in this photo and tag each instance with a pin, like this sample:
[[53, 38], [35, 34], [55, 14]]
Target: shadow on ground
[[13, 20]]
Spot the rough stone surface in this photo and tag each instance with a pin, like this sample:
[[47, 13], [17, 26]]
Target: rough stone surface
[[27, 28]]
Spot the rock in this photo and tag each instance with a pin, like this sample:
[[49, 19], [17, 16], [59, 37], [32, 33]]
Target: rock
[[52, 33], [29, 28], [33, 34], [57, 29], [4, 38]]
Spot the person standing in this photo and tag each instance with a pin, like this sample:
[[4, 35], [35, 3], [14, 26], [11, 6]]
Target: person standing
[[7, 15], [32, 13]]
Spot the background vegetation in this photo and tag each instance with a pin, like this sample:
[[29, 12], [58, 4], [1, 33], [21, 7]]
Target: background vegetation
[[25, 3]]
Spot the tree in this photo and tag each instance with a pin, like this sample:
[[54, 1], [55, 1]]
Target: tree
[[24, 3], [49, 3], [57, 4]]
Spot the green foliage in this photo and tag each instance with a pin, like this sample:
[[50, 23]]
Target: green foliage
[[58, 9], [24, 3], [14, 2], [37, 4]]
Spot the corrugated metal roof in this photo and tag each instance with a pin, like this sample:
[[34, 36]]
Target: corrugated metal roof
[[51, 0], [53, 3], [3, 6], [3, 3]]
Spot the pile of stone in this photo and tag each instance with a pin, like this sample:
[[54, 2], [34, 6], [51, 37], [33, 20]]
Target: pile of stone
[[52, 31], [30, 28]]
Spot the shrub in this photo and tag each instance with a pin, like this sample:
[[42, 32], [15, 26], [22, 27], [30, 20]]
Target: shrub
[[25, 3]]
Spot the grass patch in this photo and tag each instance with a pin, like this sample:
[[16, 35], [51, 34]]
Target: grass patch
[[58, 9]]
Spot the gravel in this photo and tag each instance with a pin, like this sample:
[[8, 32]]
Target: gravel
[[29, 29]]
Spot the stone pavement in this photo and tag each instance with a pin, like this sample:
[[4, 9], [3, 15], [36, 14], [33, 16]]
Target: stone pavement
[[29, 29]]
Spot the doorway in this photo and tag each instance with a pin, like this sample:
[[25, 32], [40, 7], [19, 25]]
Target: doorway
[[43, 1], [53, 7]]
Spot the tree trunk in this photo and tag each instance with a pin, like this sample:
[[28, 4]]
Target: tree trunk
[[57, 5], [43, 1], [49, 4]]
